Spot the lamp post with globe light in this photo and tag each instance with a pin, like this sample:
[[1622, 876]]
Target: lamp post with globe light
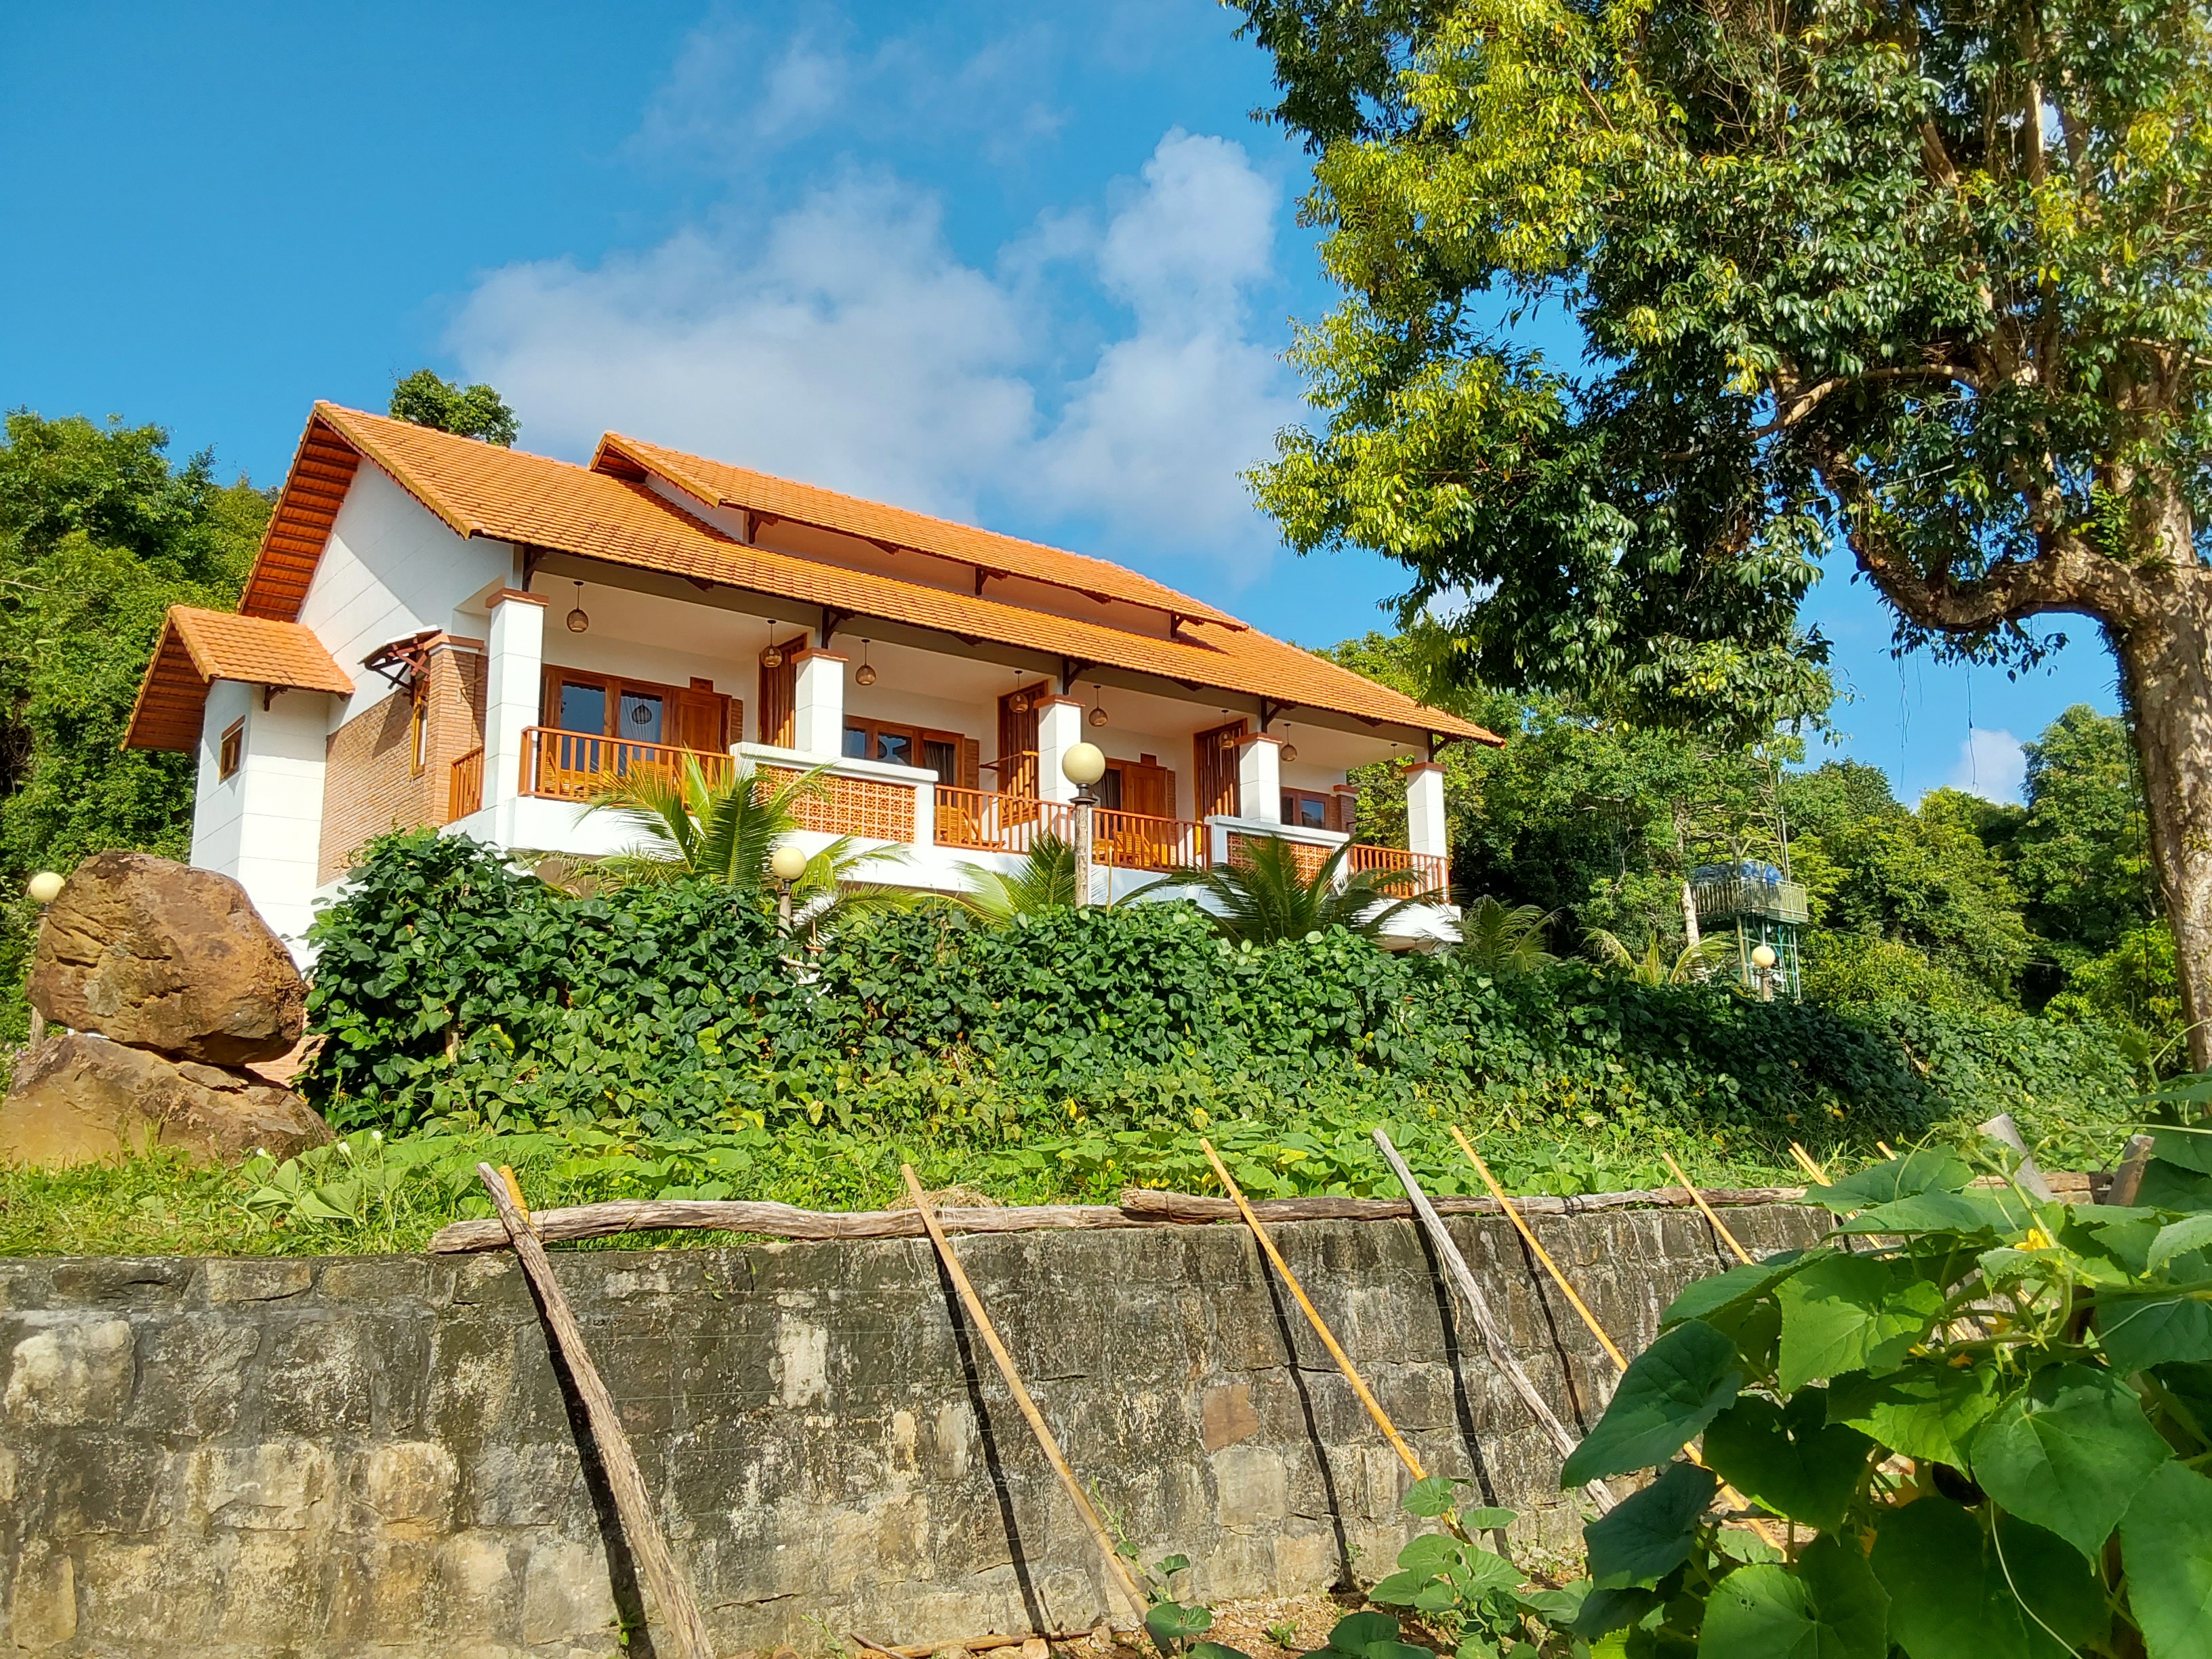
[[1084, 764], [42, 890], [786, 864], [1763, 959]]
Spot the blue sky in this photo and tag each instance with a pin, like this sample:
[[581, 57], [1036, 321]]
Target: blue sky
[[1033, 266]]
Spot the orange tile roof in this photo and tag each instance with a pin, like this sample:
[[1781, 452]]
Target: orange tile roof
[[198, 648], [721, 484], [510, 495]]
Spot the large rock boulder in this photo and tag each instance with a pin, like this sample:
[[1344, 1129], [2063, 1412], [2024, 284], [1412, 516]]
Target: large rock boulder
[[80, 1099], [161, 956]]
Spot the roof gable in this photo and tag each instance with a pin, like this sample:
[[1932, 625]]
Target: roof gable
[[198, 648]]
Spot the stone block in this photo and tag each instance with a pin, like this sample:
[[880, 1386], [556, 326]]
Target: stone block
[[254, 1280], [42, 1599], [411, 1483], [278, 1485], [76, 1370], [193, 1372]]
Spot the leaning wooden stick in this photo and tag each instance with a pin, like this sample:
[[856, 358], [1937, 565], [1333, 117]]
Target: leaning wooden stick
[[1542, 1254], [1320, 1328], [1115, 1565], [1805, 1163], [1704, 1209], [680, 1626], [1485, 1322]]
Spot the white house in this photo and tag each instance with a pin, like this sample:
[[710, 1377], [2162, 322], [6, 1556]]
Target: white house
[[439, 631]]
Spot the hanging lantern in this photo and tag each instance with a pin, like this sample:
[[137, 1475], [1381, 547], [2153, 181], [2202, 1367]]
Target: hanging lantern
[[864, 675], [1098, 717], [578, 622], [773, 656], [1019, 702], [1290, 753]]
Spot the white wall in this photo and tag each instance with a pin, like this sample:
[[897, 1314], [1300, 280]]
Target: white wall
[[262, 825], [393, 569]]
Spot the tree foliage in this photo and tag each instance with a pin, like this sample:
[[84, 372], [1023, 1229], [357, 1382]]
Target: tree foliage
[[473, 411]]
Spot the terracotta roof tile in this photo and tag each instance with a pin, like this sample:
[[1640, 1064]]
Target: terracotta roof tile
[[721, 484], [506, 494], [200, 647]]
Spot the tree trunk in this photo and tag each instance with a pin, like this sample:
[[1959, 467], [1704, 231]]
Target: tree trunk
[[2166, 667]]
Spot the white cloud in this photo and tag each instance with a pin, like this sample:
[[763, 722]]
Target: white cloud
[[1992, 765], [846, 343]]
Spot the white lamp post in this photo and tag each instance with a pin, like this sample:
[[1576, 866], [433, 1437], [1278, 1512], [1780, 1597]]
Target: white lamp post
[[786, 864], [1763, 959], [43, 890], [1085, 764]]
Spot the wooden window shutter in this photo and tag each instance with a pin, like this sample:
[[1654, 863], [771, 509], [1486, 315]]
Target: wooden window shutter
[[971, 764], [1214, 754], [779, 696]]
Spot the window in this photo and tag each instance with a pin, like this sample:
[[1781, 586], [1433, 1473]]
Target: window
[[640, 717], [230, 751], [903, 746], [1306, 809], [418, 735], [583, 707]]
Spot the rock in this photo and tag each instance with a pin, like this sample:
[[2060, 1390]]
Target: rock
[[82, 1098], [162, 955]]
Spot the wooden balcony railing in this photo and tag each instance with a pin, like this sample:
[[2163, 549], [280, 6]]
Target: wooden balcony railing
[[1430, 871], [1016, 773], [1132, 841], [576, 765], [986, 822], [465, 793]]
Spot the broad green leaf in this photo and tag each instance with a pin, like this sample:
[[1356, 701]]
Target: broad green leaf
[[1353, 1634], [1398, 1589], [1651, 1533], [1950, 1596], [1926, 1409], [1396, 1649], [2068, 1452], [1788, 1457], [1431, 1496], [2187, 1148], [1212, 1650], [1170, 1622], [2172, 1186], [1481, 1570], [2190, 1233], [2166, 1543], [1738, 1283], [2151, 1330], [1850, 1313], [1914, 1172], [1431, 1552], [1830, 1607], [1668, 1394], [1604, 1611], [1936, 1213], [1486, 1520]]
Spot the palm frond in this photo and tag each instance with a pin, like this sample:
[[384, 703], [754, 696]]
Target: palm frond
[[1496, 938]]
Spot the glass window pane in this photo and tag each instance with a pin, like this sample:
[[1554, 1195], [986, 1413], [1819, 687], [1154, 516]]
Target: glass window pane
[[641, 717], [895, 747], [583, 707], [1108, 789], [856, 742], [1312, 812], [942, 758]]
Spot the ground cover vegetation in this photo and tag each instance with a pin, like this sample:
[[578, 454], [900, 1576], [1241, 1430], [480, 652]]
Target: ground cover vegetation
[[1931, 285]]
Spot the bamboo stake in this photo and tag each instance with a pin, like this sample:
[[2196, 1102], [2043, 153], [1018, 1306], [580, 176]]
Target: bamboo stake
[[1485, 1322], [1704, 1209], [1542, 1254], [680, 1624], [1883, 1147], [1805, 1163], [1320, 1328], [974, 1303]]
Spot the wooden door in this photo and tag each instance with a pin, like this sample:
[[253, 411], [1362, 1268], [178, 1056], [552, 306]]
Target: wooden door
[[779, 694], [699, 719], [1018, 736], [1214, 771], [1147, 790]]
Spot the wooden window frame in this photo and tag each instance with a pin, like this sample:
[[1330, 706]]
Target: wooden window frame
[[230, 751], [918, 736], [614, 686], [418, 732], [1321, 798]]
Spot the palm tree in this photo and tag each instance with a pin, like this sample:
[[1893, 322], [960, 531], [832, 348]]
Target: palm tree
[[724, 832], [1265, 898], [1045, 880], [1690, 967], [1496, 938]]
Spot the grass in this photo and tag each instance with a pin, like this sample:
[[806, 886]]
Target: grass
[[368, 1194]]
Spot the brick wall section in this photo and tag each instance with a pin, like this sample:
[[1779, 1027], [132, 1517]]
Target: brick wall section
[[369, 783], [371, 1456]]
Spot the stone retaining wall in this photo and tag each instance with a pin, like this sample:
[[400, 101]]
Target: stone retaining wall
[[363, 1456]]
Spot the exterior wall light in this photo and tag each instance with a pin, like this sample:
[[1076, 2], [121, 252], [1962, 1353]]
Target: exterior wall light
[[44, 887], [1763, 957], [772, 658], [1085, 765], [1098, 709], [1288, 753], [577, 620], [786, 863], [864, 675]]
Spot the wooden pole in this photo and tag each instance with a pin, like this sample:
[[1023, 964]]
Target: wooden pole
[[1115, 1566], [2127, 1178], [680, 1626], [2001, 1127], [1542, 1254], [1805, 1163], [1704, 1209], [1320, 1328], [1485, 1322]]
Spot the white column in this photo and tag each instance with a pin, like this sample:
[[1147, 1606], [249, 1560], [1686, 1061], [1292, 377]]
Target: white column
[[1425, 809], [513, 691], [1060, 728], [280, 825], [818, 721], [1260, 778]]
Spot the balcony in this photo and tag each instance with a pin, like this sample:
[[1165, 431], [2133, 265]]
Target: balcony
[[903, 805]]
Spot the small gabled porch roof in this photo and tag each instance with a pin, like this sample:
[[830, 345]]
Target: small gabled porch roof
[[199, 647], [540, 505]]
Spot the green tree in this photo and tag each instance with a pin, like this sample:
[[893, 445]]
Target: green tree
[[1926, 879], [1265, 898], [1933, 283], [2081, 857], [475, 411]]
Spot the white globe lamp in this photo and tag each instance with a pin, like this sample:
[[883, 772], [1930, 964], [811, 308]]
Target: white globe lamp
[[786, 863], [44, 887], [1085, 765]]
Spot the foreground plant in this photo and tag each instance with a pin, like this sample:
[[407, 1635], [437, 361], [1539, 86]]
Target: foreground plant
[[1265, 897]]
